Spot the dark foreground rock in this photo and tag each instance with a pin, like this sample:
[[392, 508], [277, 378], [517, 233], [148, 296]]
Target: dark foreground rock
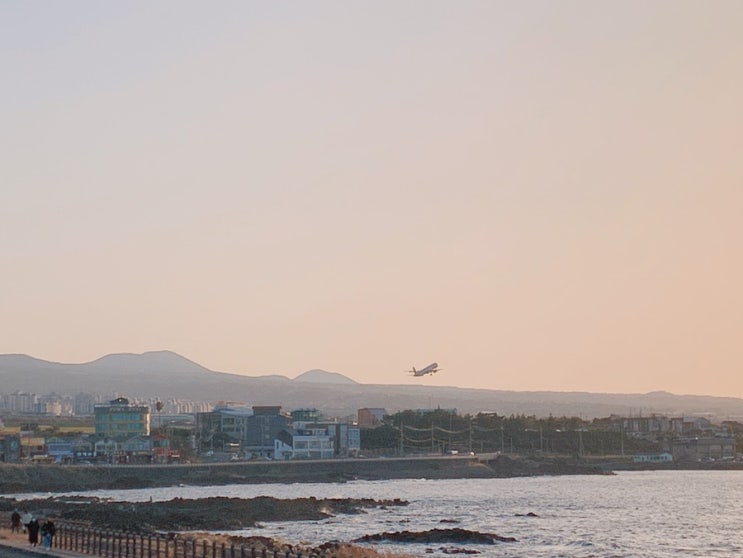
[[438, 536], [182, 514]]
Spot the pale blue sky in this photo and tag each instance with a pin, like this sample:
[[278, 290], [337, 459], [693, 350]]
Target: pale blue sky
[[537, 195]]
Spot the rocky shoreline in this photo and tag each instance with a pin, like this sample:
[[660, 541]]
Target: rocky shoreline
[[194, 518], [180, 514], [66, 478]]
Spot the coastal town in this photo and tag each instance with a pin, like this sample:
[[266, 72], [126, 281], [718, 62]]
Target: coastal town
[[89, 429]]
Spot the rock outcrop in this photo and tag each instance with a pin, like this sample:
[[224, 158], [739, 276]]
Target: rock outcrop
[[437, 536]]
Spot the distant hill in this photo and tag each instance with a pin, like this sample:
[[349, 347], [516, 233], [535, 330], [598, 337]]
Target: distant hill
[[164, 374], [323, 377], [157, 362]]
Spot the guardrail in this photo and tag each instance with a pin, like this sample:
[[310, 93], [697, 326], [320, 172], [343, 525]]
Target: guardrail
[[119, 544]]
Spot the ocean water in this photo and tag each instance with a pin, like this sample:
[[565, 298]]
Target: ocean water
[[659, 514]]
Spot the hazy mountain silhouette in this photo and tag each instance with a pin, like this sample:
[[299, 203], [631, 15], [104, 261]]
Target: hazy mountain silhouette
[[158, 362], [164, 374], [323, 377]]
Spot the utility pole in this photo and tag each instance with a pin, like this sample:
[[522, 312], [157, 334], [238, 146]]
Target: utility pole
[[402, 439], [470, 444], [541, 439]]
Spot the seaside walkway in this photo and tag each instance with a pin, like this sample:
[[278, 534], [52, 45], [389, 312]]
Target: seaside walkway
[[76, 541], [14, 545]]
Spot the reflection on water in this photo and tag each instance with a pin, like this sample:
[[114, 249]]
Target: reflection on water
[[647, 514]]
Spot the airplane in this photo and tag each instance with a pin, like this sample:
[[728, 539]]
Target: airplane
[[430, 369]]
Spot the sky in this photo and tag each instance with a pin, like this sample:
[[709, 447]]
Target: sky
[[537, 195]]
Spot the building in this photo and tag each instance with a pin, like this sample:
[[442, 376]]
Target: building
[[83, 404], [32, 446], [247, 431], [10, 448], [106, 449], [161, 450], [346, 438], [652, 458], [136, 450], [60, 449], [370, 417], [262, 429], [305, 415], [120, 418], [225, 425], [304, 443], [710, 448], [20, 402], [655, 425]]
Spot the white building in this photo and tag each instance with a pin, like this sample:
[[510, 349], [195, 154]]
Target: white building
[[653, 458], [312, 443]]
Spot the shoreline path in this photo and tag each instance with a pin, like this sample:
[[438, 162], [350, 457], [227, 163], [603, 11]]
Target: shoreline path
[[16, 545]]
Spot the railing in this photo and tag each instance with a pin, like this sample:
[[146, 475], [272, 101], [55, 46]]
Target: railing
[[119, 544]]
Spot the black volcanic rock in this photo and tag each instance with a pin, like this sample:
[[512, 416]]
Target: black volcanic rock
[[460, 536], [182, 514]]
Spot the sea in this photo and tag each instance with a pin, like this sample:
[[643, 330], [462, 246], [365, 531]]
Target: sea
[[650, 514]]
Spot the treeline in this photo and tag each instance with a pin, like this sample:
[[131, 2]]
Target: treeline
[[442, 431]]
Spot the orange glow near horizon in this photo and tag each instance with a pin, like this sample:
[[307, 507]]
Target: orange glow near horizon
[[537, 196]]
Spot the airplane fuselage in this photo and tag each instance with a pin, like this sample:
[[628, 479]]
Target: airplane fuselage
[[430, 369]]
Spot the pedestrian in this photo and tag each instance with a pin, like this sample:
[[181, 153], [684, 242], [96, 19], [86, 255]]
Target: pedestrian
[[25, 520], [48, 530], [15, 522], [33, 532]]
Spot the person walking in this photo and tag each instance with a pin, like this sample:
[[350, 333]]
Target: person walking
[[15, 522], [48, 530], [33, 532], [25, 520]]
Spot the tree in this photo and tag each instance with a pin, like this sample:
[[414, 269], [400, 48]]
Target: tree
[[159, 407]]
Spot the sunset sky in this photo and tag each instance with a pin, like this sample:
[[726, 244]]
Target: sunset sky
[[537, 195]]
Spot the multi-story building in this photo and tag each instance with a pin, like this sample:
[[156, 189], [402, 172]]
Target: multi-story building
[[345, 437], [656, 425], [83, 404], [21, 402], [250, 431], [120, 418], [226, 424], [263, 428], [304, 443]]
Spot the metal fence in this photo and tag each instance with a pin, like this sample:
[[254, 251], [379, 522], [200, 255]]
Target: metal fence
[[118, 544]]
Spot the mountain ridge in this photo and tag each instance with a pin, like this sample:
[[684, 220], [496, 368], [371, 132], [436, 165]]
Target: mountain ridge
[[323, 377], [166, 374]]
